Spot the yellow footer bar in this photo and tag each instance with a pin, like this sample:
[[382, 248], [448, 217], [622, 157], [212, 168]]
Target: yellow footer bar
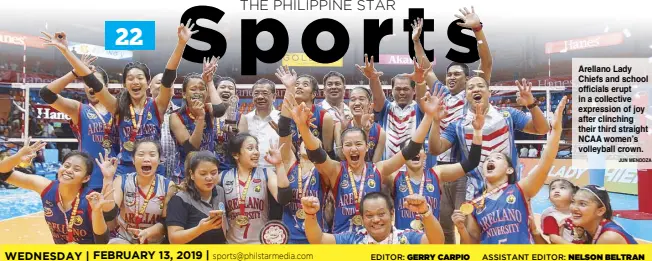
[[324, 252]]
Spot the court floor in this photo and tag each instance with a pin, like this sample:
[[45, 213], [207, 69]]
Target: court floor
[[21, 216]]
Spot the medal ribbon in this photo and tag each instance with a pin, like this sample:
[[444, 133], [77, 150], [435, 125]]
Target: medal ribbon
[[69, 222], [300, 181], [357, 197], [136, 128], [598, 231], [150, 195], [409, 185], [242, 197], [487, 194]]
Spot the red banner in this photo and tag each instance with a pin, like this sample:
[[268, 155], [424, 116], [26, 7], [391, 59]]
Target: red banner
[[13, 76], [585, 43], [20, 39]]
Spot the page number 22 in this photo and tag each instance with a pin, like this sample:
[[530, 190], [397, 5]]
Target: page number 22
[[122, 39]]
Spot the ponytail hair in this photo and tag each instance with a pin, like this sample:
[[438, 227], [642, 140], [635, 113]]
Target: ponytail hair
[[124, 98]]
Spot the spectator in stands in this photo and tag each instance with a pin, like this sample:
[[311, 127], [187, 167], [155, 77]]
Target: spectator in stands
[[533, 152], [524, 152], [3, 125], [65, 151]]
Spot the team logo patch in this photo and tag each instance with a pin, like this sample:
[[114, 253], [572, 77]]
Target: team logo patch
[[506, 114], [257, 188], [48, 212], [313, 180], [315, 132], [221, 206], [228, 187], [91, 115], [130, 198], [344, 184], [371, 183], [256, 180], [149, 116], [372, 144], [430, 188], [291, 178], [49, 203], [402, 188], [403, 240], [274, 232], [511, 199]]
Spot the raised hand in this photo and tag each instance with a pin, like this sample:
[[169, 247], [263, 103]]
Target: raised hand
[[198, 108], [416, 203], [59, 40], [434, 106], [289, 79], [98, 201], [417, 27], [28, 152], [184, 32], [478, 120], [310, 205], [524, 95], [88, 60], [419, 74], [471, 20], [459, 219], [558, 118], [107, 165], [273, 155], [209, 68], [300, 113], [368, 69]]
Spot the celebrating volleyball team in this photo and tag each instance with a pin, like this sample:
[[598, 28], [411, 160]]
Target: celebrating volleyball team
[[436, 162]]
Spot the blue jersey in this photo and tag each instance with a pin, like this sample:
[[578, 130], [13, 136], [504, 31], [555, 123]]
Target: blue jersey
[[372, 141], [82, 230], [398, 236], [431, 192], [150, 129], [90, 132], [318, 114], [497, 135], [207, 141], [504, 219], [613, 227], [313, 188], [345, 202]]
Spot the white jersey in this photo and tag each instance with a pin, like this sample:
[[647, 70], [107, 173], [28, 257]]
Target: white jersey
[[133, 200], [455, 110], [256, 206]]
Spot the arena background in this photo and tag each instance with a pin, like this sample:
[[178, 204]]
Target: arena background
[[526, 41]]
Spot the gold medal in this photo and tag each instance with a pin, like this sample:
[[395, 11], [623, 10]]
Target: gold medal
[[106, 143], [242, 220], [129, 146], [357, 220], [301, 214], [416, 224], [466, 208]]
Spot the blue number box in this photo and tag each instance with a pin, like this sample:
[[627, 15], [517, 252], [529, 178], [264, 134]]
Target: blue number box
[[130, 35]]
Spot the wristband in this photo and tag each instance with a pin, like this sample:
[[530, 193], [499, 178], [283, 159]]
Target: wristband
[[4, 176], [47, 95], [168, 78], [219, 110], [478, 28], [411, 150], [92, 81], [284, 126], [534, 104], [317, 156], [75, 74]]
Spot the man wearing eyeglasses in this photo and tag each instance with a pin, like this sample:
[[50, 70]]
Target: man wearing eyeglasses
[[262, 120]]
